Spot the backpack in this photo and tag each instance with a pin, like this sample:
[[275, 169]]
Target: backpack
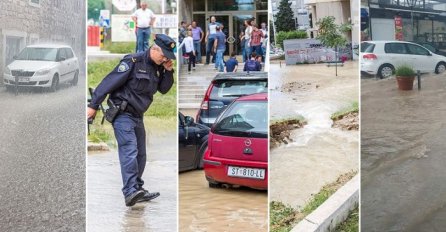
[[251, 65]]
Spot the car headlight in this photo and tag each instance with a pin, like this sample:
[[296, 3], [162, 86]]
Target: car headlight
[[43, 72], [7, 70]]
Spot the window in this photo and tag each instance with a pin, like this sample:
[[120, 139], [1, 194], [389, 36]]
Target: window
[[396, 48], [367, 47], [61, 54], [237, 88], [34, 3], [69, 53], [417, 50]]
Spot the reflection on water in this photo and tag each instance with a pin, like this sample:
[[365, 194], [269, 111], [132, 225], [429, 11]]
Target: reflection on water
[[319, 153], [403, 162], [206, 209]]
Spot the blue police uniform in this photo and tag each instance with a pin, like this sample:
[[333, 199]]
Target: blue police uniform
[[135, 80]]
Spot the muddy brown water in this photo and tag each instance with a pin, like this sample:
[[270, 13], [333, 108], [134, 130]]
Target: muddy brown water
[[206, 209], [319, 153], [403, 156]]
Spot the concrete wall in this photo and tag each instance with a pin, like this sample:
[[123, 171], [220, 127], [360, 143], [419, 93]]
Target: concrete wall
[[50, 21]]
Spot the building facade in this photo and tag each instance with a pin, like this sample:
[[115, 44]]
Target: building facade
[[26, 22], [231, 13]]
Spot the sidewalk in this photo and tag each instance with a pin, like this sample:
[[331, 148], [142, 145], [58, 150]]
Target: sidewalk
[[95, 54]]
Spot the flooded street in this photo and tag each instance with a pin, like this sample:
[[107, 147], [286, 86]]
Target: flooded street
[[42, 159], [206, 209], [105, 207], [403, 156], [319, 153]]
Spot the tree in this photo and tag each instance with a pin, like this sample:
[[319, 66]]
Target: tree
[[332, 35], [94, 7], [285, 17]]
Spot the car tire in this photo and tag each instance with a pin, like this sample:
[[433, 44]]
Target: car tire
[[214, 185], [440, 68], [385, 71], [75, 78], [201, 152], [54, 83]]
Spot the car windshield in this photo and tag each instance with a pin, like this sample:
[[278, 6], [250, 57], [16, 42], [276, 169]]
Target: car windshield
[[367, 47], [45, 54], [238, 88], [244, 119]]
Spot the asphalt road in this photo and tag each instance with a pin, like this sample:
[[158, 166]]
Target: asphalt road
[[42, 160]]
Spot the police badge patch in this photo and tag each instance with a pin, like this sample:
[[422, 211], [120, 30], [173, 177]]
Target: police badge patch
[[123, 67]]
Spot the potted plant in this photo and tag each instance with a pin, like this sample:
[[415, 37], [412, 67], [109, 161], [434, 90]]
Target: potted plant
[[405, 75]]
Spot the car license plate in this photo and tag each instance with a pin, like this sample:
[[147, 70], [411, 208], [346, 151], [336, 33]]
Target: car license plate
[[23, 79], [253, 173]]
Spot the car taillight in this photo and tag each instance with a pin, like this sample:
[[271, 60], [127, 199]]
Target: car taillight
[[369, 57], [204, 105]]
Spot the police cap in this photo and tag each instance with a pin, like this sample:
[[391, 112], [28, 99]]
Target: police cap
[[167, 44]]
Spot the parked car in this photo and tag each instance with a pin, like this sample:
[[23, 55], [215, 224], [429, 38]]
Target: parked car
[[237, 152], [43, 66], [432, 47], [225, 88], [382, 57], [192, 142]]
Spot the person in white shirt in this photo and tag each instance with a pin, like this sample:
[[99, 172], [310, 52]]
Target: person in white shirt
[[144, 19], [188, 44], [248, 32]]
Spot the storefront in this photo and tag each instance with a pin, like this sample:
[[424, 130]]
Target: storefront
[[422, 21], [231, 13]]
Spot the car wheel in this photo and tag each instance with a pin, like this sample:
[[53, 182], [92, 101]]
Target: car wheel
[[201, 152], [385, 71], [75, 78], [441, 67], [55, 83], [214, 185]]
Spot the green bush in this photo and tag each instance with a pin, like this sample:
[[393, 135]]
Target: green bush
[[283, 35], [405, 71]]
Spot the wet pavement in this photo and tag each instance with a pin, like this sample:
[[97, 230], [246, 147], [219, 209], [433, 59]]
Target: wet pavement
[[207, 209], [403, 175], [319, 153], [106, 210], [42, 160]]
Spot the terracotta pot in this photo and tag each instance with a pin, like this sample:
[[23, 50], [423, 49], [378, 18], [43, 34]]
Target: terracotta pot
[[405, 83]]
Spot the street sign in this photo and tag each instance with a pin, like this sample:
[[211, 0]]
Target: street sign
[[166, 21], [123, 28], [124, 5]]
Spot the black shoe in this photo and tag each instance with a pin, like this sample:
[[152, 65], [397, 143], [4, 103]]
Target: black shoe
[[134, 197], [148, 196]]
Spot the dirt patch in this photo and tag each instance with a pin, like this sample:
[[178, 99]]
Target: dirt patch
[[280, 131], [297, 85], [349, 121]]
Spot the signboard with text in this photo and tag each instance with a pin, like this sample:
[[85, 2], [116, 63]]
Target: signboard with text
[[399, 28], [123, 28], [306, 51]]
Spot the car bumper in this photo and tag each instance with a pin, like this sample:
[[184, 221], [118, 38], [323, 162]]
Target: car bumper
[[369, 68], [34, 81], [216, 170]]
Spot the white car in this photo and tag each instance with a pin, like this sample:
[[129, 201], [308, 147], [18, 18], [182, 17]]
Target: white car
[[43, 66], [382, 57]]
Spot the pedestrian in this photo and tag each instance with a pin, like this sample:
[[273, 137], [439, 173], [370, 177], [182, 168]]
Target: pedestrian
[[248, 31], [210, 37], [242, 46], [252, 64], [264, 41], [256, 38], [131, 86], [231, 64], [188, 45], [197, 35], [144, 19], [182, 33], [219, 49]]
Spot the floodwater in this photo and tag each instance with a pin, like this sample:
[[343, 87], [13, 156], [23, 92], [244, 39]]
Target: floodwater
[[207, 209], [106, 210], [319, 153], [403, 156]]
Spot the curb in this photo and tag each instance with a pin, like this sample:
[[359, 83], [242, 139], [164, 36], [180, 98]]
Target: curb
[[333, 211]]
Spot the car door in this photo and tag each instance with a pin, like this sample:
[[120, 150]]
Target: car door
[[186, 143], [396, 54], [421, 57], [63, 65], [71, 62]]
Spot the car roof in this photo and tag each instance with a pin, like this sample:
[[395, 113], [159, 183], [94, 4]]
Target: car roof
[[254, 97], [241, 76], [386, 41], [48, 46]]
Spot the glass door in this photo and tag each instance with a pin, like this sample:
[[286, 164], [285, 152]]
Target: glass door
[[226, 20]]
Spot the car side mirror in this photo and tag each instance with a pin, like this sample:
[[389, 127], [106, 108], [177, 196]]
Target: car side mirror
[[62, 58], [188, 120], [14, 57]]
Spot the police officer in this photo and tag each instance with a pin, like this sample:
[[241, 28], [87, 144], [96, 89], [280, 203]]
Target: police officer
[[132, 84]]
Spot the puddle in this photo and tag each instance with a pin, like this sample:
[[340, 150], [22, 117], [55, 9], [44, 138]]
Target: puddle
[[318, 153], [206, 209], [403, 174]]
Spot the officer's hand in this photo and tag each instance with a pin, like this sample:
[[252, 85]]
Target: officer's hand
[[168, 65], [91, 113]]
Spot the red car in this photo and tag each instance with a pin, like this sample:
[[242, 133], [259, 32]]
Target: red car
[[237, 152]]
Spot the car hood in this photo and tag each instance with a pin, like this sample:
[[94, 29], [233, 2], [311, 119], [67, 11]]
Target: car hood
[[30, 65]]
